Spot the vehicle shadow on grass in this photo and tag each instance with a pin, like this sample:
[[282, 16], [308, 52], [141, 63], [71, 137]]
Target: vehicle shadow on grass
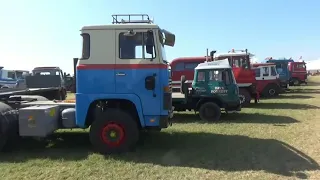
[[303, 91], [293, 96], [183, 149], [237, 118], [266, 105]]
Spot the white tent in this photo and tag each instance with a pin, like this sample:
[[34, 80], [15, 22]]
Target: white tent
[[313, 65]]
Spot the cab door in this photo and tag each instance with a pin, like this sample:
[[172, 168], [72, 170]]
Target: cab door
[[137, 69]]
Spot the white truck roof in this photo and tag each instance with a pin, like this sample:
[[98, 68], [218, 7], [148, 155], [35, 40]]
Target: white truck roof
[[220, 64], [121, 26]]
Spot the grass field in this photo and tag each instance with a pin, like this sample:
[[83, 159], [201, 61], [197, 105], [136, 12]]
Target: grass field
[[276, 139]]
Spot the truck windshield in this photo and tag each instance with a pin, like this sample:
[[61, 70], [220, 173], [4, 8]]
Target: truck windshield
[[46, 72], [237, 61], [222, 75]]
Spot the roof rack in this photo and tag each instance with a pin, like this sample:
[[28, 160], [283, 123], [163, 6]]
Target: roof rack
[[131, 18], [233, 51]]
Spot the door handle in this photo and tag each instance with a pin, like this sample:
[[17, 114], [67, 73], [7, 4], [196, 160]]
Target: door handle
[[120, 74]]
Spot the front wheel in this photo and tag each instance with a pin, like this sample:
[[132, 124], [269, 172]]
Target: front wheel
[[271, 90], [245, 97], [114, 131], [209, 111], [296, 82]]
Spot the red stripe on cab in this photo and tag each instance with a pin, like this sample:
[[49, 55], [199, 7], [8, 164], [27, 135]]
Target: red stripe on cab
[[122, 66]]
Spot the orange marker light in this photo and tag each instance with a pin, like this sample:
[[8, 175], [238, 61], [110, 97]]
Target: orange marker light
[[166, 89]]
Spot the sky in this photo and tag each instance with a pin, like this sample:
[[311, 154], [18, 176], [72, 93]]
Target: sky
[[46, 32]]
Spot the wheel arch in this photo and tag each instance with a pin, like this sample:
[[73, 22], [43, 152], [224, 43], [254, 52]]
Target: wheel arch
[[85, 106]]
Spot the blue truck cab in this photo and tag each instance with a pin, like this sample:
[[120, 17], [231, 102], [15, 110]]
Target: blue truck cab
[[123, 88], [7, 78], [282, 69], [123, 83]]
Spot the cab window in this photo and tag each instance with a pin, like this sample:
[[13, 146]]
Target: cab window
[[300, 66], [220, 76], [201, 76], [134, 47], [178, 67], [265, 71], [257, 72], [273, 71]]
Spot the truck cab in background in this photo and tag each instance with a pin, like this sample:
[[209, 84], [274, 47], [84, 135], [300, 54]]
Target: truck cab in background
[[299, 73], [290, 72], [282, 69], [213, 89], [45, 77], [184, 66], [240, 62], [8, 78], [268, 83]]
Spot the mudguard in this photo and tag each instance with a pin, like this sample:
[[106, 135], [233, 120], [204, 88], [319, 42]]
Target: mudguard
[[83, 102]]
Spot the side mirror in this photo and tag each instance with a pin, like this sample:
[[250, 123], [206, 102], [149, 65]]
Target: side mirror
[[150, 82], [212, 54]]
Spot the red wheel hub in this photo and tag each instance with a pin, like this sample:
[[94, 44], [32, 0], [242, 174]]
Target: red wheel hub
[[113, 134]]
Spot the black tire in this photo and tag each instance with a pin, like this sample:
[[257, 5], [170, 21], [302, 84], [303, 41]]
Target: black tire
[[59, 96], [118, 123], [182, 81], [271, 90], [9, 127], [245, 97], [209, 111], [296, 82]]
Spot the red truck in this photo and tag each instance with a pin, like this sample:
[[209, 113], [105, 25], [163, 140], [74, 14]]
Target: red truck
[[298, 72], [268, 82], [240, 62]]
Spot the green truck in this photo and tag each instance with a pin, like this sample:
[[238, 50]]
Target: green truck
[[213, 89]]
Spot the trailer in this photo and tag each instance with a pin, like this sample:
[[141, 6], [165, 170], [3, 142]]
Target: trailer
[[120, 92], [213, 89]]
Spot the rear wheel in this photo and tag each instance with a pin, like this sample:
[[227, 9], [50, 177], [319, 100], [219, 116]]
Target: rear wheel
[[209, 111], [9, 127], [114, 131], [244, 96]]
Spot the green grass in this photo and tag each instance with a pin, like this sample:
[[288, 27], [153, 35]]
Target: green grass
[[276, 139]]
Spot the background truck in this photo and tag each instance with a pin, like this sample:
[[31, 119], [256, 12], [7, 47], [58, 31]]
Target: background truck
[[268, 83], [40, 76], [245, 76], [8, 78], [299, 73], [184, 66], [213, 88], [120, 92], [282, 69], [290, 72], [240, 63]]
